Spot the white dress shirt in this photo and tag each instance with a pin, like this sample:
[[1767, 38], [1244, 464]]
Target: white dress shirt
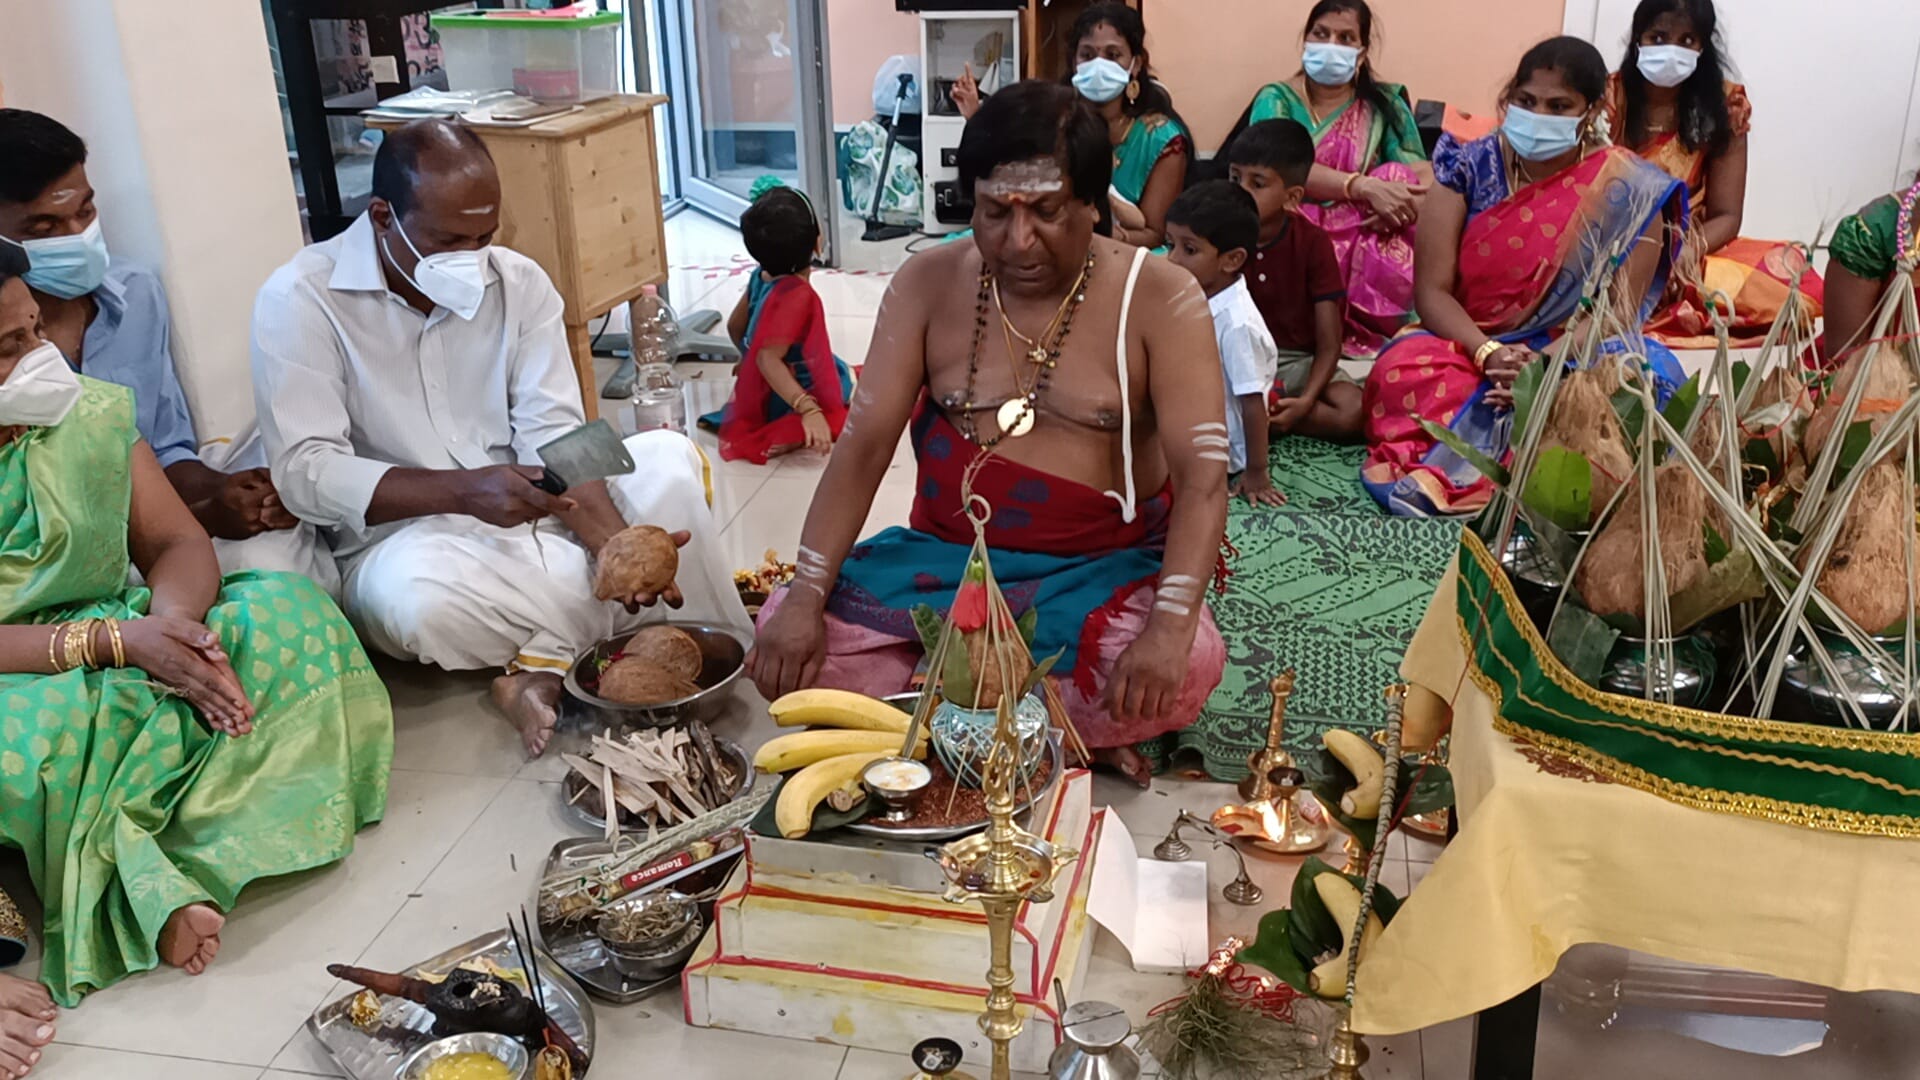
[[351, 380], [1248, 358]]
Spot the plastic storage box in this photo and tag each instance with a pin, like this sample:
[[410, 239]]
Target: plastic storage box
[[560, 55]]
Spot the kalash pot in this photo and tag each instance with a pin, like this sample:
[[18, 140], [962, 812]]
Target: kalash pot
[[1690, 676], [1537, 579], [1093, 1044], [1806, 696]]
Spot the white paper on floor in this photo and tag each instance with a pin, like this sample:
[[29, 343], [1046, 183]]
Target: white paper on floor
[[1157, 909]]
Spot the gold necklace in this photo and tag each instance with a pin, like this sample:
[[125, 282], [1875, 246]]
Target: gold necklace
[[1036, 351]]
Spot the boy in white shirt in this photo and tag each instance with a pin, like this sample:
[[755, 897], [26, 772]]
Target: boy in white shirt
[[1212, 228]]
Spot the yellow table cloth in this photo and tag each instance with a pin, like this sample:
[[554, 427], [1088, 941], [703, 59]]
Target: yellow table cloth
[[1550, 856]]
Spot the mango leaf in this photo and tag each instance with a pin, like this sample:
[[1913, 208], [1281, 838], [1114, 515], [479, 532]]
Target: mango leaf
[[1717, 547], [1632, 412], [928, 623], [1680, 406], [1742, 371], [1759, 453], [1731, 581], [1027, 624], [1040, 672], [1582, 641], [1273, 949], [1526, 391], [825, 817], [1561, 487], [1859, 434], [1488, 467]]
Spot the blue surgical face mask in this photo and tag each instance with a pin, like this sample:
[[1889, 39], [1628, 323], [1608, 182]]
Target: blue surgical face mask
[[1329, 64], [1539, 138], [68, 266], [1668, 65], [1100, 80]]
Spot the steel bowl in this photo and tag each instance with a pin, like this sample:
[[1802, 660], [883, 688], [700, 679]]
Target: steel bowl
[[724, 654], [653, 961], [506, 1050]]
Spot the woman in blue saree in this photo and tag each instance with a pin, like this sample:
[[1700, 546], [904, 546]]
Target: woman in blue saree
[[1520, 226]]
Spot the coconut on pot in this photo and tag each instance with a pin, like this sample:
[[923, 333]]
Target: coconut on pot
[[1612, 576], [1869, 556], [1582, 421]]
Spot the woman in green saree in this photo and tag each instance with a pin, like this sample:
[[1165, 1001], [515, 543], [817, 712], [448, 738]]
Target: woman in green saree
[[1868, 249], [1370, 167], [160, 747]]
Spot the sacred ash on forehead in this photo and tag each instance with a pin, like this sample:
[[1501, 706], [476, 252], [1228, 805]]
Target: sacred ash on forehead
[[1030, 179], [63, 195], [487, 209]]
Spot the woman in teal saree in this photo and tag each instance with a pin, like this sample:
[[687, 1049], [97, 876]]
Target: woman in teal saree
[[160, 747]]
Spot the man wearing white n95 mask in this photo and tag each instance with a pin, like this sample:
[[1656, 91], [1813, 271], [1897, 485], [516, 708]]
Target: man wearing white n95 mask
[[406, 371], [109, 318]]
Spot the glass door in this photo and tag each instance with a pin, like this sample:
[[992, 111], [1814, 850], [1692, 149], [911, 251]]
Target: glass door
[[750, 98]]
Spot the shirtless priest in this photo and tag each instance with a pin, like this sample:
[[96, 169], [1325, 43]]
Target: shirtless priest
[[1090, 373], [406, 371]]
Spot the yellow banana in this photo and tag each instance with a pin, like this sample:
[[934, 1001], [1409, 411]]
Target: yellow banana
[[840, 709], [802, 748], [1329, 980], [804, 790], [1368, 767]]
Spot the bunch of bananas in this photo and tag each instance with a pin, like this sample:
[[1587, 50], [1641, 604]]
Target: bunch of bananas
[[847, 733]]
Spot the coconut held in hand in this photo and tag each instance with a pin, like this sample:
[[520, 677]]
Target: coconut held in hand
[[640, 559]]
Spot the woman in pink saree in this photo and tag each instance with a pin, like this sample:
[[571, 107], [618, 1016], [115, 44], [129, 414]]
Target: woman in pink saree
[[1520, 226], [1370, 167]]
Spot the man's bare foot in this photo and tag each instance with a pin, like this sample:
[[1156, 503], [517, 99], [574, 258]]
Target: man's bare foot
[[191, 937], [26, 1024], [531, 699], [1126, 761]]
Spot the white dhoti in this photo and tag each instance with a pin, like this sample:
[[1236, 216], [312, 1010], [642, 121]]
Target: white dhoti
[[298, 550], [462, 594]]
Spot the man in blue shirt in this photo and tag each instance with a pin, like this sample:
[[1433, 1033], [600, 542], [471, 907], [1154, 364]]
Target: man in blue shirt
[[110, 320]]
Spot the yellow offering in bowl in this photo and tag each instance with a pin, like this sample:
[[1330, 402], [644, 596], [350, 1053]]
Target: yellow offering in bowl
[[468, 1067]]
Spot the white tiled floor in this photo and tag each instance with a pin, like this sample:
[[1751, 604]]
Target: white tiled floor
[[469, 821]]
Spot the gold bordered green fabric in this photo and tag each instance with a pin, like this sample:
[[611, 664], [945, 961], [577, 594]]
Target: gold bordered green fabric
[[1840, 780]]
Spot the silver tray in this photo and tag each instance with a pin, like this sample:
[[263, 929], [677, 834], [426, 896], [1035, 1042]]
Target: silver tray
[[404, 1027], [743, 771], [578, 948], [1024, 799]]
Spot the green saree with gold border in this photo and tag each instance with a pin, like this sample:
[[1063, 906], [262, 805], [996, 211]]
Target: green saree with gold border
[[127, 806]]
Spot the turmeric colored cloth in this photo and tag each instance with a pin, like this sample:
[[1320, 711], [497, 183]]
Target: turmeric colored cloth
[[1551, 854]]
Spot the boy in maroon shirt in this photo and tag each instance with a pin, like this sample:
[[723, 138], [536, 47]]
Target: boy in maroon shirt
[[1297, 285]]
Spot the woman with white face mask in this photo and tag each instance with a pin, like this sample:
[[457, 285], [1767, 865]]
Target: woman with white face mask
[[1152, 149], [1516, 225], [1370, 166], [132, 713], [1672, 103]]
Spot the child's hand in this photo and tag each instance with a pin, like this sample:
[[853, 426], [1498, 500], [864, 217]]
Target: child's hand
[[966, 93], [1258, 489], [819, 435], [1288, 412]]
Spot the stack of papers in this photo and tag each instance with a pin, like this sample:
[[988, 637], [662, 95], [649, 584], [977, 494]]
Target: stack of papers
[[427, 101]]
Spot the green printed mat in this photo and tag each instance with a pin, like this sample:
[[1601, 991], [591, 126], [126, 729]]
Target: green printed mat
[[1329, 585]]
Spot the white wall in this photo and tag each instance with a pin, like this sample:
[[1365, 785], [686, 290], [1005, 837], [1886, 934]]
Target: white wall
[[1823, 143], [178, 107]]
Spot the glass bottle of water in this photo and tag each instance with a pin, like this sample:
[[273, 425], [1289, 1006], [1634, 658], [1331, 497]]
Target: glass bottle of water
[[659, 401]]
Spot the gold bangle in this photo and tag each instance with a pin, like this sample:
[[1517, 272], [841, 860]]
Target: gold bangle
[[119, 645], [53, 649], [86, 643], [1486, 350], [70, 647], [1346, 191]]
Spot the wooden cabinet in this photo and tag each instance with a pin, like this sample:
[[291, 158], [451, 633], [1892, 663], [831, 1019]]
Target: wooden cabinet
[[1046, 35], [580, 195]]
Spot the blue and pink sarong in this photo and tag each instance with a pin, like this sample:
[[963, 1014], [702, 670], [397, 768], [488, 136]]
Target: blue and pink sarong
[[1057, 546]]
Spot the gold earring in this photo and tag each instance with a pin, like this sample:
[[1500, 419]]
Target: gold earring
[[1133, 91]]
